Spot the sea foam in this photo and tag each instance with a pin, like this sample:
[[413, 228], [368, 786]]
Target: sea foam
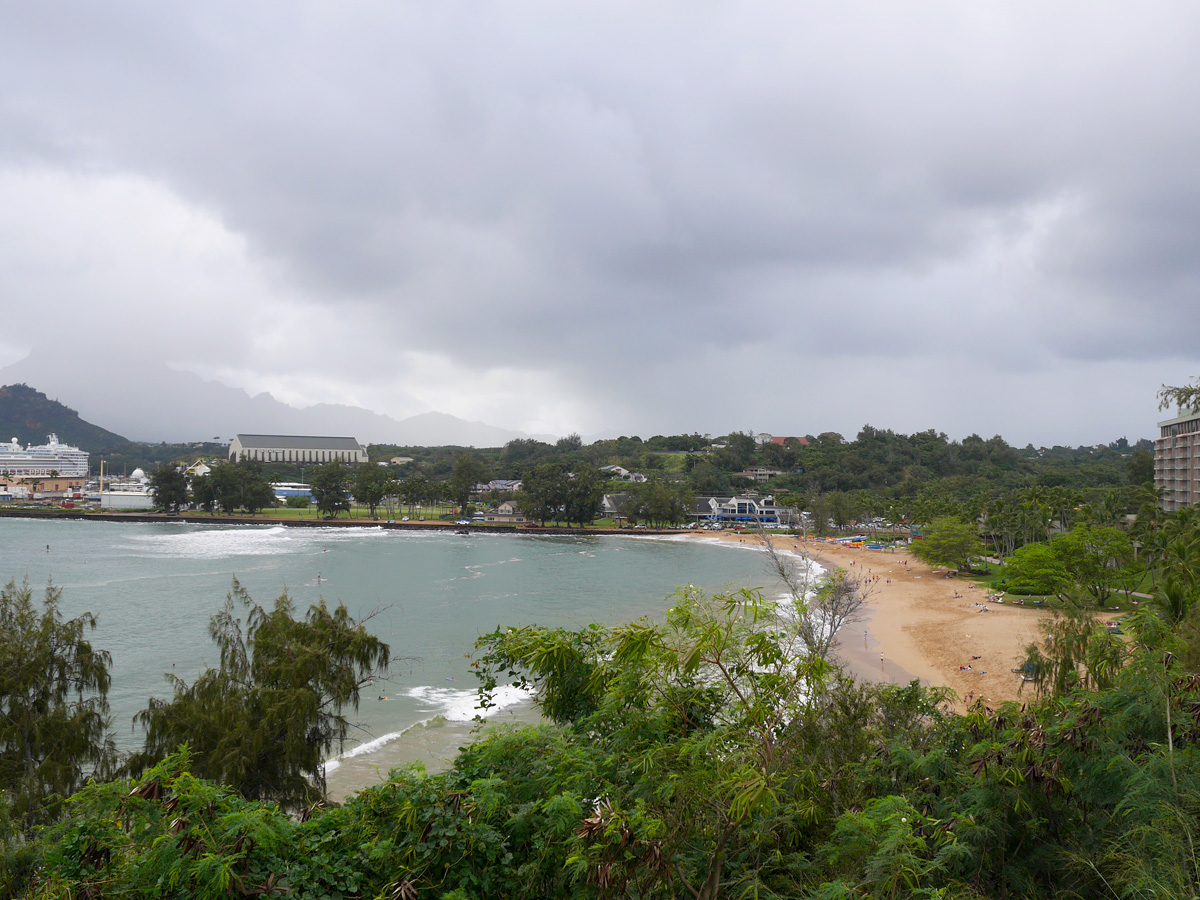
[[443, 704]]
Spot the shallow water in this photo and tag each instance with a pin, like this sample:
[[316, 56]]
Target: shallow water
[[428, 594]]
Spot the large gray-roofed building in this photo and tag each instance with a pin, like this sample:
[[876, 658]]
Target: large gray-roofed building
[[287, 448]]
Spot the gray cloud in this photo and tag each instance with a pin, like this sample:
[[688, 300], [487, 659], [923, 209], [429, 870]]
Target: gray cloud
[[614, 217]]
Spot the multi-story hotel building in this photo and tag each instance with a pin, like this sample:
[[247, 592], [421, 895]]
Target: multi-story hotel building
[[1177, 460]]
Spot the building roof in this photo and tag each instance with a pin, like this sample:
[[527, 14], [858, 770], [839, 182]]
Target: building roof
[[297, 442], [1185, 415]]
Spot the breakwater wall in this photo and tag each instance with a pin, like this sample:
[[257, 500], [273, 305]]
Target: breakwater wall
[[206, 519]]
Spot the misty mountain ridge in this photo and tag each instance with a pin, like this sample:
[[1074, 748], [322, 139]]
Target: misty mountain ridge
[[149, 401], [30, 416]]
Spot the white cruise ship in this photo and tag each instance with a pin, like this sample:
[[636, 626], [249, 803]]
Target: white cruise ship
[[63, 459]]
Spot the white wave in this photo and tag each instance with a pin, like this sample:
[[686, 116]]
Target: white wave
[[219, 543], [457, 705], [447, 704], [368, 747], [224, 541]]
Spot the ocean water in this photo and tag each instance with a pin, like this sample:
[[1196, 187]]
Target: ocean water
[[430, 594]]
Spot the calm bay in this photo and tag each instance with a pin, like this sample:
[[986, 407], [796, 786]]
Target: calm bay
[[429, 595]]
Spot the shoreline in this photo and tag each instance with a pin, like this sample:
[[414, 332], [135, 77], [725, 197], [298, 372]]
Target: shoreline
[[921, 626], [915, 625], [148, 518]]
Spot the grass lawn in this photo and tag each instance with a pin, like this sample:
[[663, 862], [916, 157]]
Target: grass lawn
[[992, 581]]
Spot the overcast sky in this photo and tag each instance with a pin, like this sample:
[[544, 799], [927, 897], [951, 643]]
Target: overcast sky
[[619, 217]]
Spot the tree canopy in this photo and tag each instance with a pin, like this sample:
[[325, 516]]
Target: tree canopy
[[169, 487], [1098, 558], [468, 472], [265, 720], [53, 703], [371, 484], [331, 488], [949, 542]]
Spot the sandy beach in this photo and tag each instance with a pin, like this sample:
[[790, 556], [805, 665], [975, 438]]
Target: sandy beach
[[916, 627]]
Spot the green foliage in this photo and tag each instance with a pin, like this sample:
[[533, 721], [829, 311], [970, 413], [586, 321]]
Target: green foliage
[[1183, 397], [552, 491], [371, 484], [703, 756], [232, 486], [1141, 467], [264, 722], [543, 493], [949, 542], [1099, 559], [298, 502], [168, 486], [698, 705], [657, 501], [468, 472], [1035, 569], [53, 704], [330, 485], [204, 493], [1077, 652]]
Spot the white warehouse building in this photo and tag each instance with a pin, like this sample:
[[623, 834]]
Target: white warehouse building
[[286, 448]]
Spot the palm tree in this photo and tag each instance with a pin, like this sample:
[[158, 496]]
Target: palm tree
[[1173, 601]]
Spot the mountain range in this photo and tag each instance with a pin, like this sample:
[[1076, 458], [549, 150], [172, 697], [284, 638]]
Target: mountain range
[[30, 416], [146, 400]]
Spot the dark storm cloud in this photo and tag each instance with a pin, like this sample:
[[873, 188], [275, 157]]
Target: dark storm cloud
[[858, 186]]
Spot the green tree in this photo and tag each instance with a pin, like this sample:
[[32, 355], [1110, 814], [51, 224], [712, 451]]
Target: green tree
[[330, 485], [664, 502], [1141, 467], [257, 493], [264, 722], [949, 542], [468, 472], [371, 484], [204, 492], [1077, 652], [842, 508], [240, 485], [543, 493], [1185, 397], [584, 493], [53, 704], [1097, 558], [702, 708], [1036, 569], [414, 490], [572, 443], [168, 486]]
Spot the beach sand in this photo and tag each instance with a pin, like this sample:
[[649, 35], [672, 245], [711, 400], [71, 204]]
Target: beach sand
[[922, 631]]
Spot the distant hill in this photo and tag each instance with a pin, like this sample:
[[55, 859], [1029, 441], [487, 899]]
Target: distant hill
[[29, 416], [149, 401]]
